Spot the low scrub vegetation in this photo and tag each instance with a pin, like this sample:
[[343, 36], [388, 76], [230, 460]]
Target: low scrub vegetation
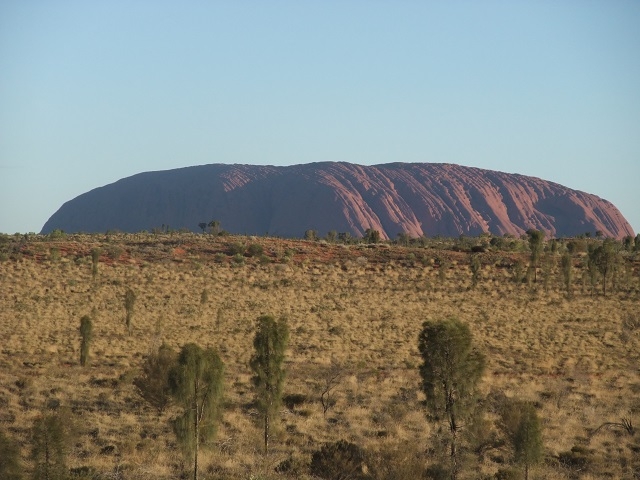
[[226, 357]]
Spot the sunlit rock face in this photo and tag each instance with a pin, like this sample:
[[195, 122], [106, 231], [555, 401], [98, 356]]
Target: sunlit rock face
[[415, 198]]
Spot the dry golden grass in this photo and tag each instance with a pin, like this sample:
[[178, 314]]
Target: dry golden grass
[[359, 307]]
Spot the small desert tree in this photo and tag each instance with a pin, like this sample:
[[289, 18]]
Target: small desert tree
[[476, 268], [214, 227], [267, 362], [341, 460], [330, 379], [548, 264], [153, 385], [10, 465], [196, 383], [95, 260], [592, 272], [605, 258], [520, 423], [371, 236], [86, 331], [311, 235], [50, 440], [129, 304], [536, 239], [450, 372], [404, 239], [527, 441], [567, 271]]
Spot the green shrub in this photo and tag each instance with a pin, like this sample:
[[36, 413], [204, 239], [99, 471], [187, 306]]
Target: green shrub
[[264, 259], [293, 400], [10, 465], [255, 250], [114, 253], [340, 460], [237, 248], [400, 461], [50, 440], [153, 383], [508, 474], [578, 458], [57, 234], [437, 471]]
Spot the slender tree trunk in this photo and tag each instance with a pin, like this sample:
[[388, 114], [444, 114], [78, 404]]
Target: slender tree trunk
[[266, 432], [195, 453], [268, 404], [454, 457], [454, 447], [46, 456], [196, 429], [526, 471]]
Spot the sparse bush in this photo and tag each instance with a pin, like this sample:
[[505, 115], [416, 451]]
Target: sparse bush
[[576, 459], [50, 442], [476, 268], [443, 267], [311, 235], [264, 259], [437, 471], [153, 385], [95, 259], [567, 272], [371, 236], [255, 250], [508, 474], [294, 400], [57, 234], [536, 239], [86, 331], [215, 227], [293, 466], [341, 460], [519, 271], [330, 379], [237, 248], [397, 461], [605, 258], [548, 262], [577, 246], [10, 464], [115, 253], [84, 473], [129, 303]]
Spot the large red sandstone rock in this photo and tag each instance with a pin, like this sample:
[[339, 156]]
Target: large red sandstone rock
[[417, 198]]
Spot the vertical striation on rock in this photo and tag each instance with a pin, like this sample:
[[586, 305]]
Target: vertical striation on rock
[[415, 198]]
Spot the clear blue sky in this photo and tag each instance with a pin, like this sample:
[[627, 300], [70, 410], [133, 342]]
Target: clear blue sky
[[94, 91]]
